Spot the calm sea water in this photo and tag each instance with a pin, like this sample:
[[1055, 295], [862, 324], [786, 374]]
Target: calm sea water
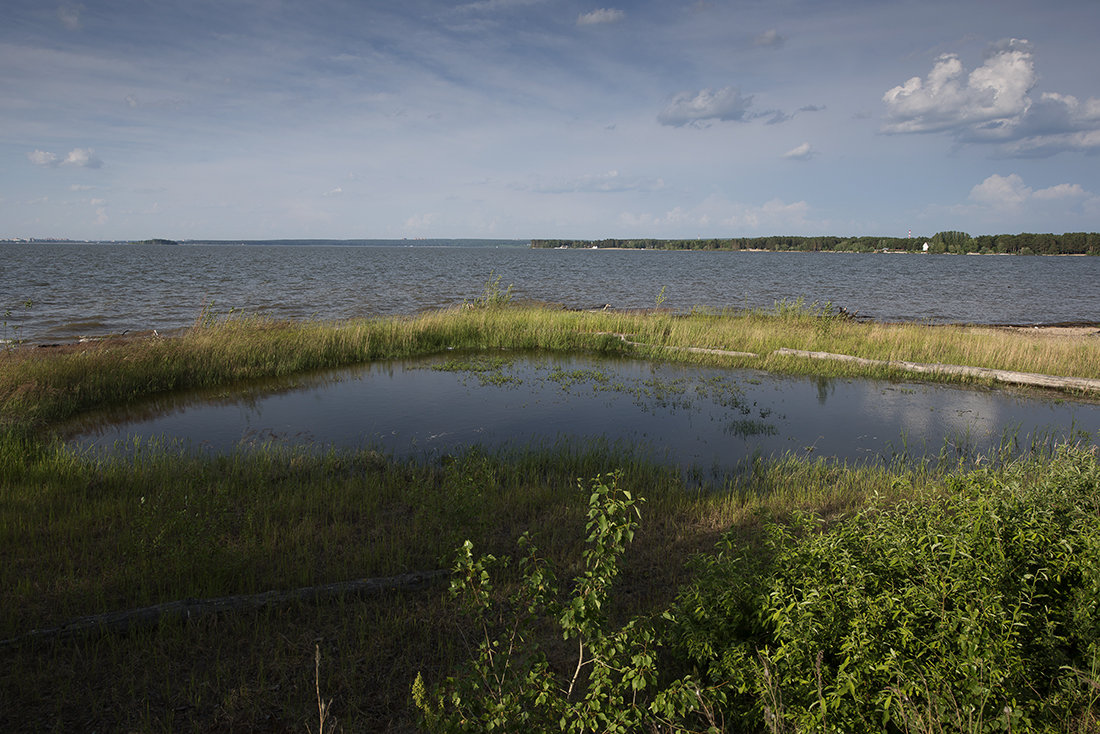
[[79, 290]]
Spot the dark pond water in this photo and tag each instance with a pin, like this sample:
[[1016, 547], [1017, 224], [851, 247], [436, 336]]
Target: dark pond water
[[709, 420]]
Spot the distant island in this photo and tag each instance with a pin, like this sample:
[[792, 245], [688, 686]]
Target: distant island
[[959, 243], [155, 241]]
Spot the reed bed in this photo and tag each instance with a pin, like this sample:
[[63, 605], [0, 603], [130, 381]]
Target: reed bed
[[42, 386]]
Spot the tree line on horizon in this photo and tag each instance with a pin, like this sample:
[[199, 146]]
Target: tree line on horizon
[[954, 242]]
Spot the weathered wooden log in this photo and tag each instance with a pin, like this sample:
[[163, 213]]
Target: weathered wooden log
[[1031, 379], [123, 621]]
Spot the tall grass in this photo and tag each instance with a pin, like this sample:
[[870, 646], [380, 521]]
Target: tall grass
[[82, 535], [38, 387]]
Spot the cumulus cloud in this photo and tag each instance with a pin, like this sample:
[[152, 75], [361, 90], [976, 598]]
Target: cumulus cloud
[[802, 152], [1010, 192], [42, 158], [696, 107], [80, 157], [995, 93], [83, 158], [601, 15], [994, 103]]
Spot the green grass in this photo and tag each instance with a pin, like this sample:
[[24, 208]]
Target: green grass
[[81, 535], [39, 387]]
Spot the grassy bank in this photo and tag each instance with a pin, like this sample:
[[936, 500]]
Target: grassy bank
[[41, 386], [81, 535]]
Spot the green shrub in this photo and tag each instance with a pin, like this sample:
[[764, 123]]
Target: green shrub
[[976, 612]]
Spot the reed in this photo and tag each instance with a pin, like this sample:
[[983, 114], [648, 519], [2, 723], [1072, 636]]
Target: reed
[[39, 386]]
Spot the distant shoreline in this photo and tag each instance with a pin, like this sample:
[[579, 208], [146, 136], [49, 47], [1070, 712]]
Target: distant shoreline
[[947, 242], [1071, 244], [838, 252]]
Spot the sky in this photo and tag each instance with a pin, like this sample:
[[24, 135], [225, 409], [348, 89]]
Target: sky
[[259, 119]]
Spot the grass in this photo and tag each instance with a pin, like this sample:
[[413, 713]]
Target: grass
[[40, 387], [81, 535]]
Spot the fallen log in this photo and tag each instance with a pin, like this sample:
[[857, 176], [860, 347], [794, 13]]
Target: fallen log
[[1031, 379], [185, 609]]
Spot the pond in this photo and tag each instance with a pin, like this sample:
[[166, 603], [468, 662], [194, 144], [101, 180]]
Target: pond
[[708, 420]]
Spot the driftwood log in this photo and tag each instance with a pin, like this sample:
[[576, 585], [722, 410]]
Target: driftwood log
[[1031, 379], [185, 609]]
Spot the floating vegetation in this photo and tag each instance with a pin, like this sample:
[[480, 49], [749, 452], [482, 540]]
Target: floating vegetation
[[488, 369]]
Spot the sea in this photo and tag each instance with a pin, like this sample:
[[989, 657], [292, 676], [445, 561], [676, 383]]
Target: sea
[[59, 292]]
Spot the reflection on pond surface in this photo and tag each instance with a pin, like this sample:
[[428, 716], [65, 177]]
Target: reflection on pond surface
[[707, 418]]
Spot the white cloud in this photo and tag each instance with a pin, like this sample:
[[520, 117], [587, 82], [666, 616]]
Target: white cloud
[[693, 108], [81, 187], [42, 158], [802, 152], [994, 104], [80, 157], [601, 15], [1009, 192], [1061, 192], [334, 192], [1001, 192], [995, 93]]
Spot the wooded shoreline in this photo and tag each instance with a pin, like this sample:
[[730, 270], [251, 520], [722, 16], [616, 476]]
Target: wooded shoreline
[[948, 242]]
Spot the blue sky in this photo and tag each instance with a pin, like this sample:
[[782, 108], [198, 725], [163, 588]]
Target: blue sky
[[255, 119]]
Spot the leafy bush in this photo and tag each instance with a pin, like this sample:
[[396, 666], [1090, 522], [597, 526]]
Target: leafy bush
[[511, 685], [976, 612]]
